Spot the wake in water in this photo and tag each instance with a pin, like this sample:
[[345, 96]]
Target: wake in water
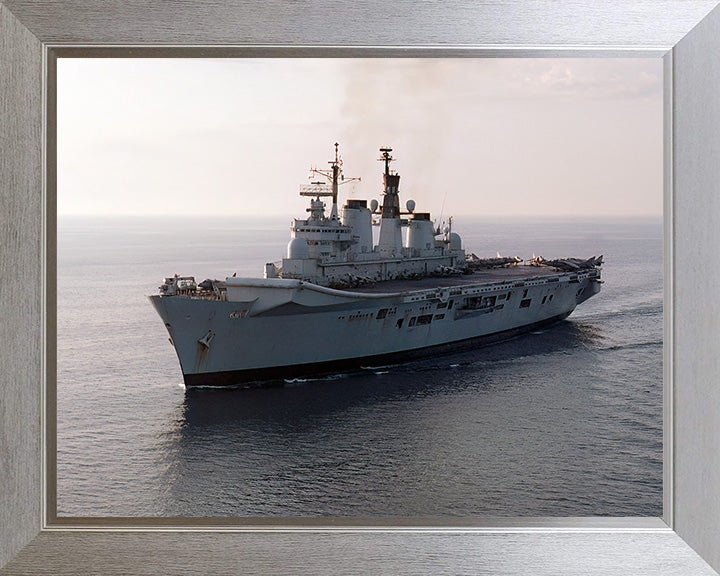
[[320, 378]]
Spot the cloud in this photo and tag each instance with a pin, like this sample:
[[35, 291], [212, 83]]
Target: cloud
[[588, 78]]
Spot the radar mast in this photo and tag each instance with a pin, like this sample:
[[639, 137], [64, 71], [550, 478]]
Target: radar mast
[[391, 183], [335, 176]]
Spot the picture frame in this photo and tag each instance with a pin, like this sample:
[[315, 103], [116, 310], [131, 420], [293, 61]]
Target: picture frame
[[686, 540]]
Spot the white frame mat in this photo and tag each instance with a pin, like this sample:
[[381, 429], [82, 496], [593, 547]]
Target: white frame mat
[[684, 33]]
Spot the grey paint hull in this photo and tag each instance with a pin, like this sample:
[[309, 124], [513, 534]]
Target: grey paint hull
[[288, 330]]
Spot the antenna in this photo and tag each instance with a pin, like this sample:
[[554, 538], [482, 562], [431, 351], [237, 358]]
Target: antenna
[[442, 207], [386, 158]]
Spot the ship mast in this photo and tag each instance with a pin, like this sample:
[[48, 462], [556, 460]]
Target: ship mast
[[335, 176], [390, 236], [391, 183]]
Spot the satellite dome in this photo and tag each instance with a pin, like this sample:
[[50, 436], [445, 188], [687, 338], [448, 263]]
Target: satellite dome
[[455, 241], [373, 205], [410, 205], [298, 248]]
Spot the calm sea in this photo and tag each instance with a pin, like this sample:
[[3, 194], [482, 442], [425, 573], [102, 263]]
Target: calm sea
[[566, 421]]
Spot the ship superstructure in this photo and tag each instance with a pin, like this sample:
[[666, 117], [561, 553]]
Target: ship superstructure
[[339, 300], [338, 250]]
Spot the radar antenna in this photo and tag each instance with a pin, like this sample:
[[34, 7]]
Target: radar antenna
[[386, 158]]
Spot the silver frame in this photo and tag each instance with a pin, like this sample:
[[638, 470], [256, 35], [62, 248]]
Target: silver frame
[[602, 546]]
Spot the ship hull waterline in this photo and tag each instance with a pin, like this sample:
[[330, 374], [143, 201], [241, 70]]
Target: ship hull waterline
[[276, 376]]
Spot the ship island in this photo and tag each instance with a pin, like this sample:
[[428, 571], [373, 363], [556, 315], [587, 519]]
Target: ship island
[[344, 298]]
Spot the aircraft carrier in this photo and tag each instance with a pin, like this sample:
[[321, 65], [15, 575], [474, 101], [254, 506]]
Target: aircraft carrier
[[339, 301]]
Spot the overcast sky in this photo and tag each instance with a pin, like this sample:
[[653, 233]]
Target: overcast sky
[[570, 137]]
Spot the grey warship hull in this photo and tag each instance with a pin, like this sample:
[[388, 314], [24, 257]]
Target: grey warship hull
[[273, 329]]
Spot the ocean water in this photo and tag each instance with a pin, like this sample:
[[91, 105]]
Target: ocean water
[[565, 421]]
